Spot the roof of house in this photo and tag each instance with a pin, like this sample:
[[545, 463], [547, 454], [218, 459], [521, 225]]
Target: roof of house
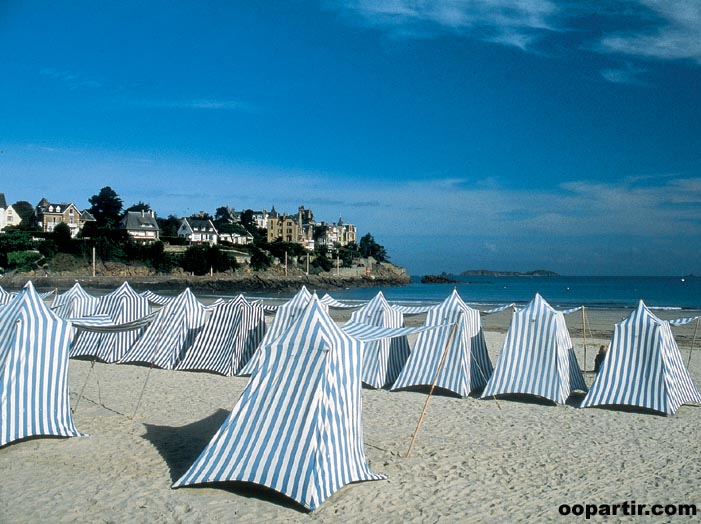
[[139, 220], [3, 202], [200, 224], [49, 207], [87, 216]]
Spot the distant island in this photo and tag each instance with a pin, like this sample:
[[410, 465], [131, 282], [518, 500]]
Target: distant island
[[449, 278], [491, 273], [438, 279]]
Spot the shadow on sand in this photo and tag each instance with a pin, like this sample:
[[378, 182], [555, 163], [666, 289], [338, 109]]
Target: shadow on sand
[[181, 446]]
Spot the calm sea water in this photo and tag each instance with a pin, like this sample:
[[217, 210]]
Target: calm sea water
[[594, 292]]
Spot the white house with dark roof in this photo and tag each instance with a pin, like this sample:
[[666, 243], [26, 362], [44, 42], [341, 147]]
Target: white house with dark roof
[[141, 226], [198, 231], [8, 216]]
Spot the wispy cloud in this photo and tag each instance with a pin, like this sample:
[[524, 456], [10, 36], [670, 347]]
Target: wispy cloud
[[511, 22], [675, 33], [70, 79], [637, 30], [205, 104], [628, 73]]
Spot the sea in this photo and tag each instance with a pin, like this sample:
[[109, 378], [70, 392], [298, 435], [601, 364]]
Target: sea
[[673, 293]]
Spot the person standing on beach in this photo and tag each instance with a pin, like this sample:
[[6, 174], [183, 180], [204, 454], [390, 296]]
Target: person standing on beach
[[599, 358]]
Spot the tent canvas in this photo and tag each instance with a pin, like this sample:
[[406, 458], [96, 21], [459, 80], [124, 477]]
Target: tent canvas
[[123, 305], [643, 367], [34, 396], [382, 359], [537, 357], [228, 338], [297, 428], [285, 316], [74, 303], [173, 330], [467, 366]]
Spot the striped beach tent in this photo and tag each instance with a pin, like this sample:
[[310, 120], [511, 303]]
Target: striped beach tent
[[297, 428], [34, 344], [74, 303], [537, 357], [155, 298], [643, 367], [332, 303], [466, 365], [382, 359], [228, 338], [285, 315], [171, 334], [6, 296], [123, 305]]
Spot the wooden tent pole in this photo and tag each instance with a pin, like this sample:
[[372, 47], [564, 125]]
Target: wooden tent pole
[[433, 386], [80, 396], [693, 341], [584, 334]]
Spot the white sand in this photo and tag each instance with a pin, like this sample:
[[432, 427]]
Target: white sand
[[473, 461]]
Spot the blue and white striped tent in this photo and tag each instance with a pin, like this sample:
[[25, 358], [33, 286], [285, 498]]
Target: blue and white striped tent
[[297, 428], [466, 366], [34, 397], [123, 305], [382, 359], [171, 334], [537, 357], [6, 296], [75, 303], [285, 315], [154, 298], [229, 337], [643, 367]]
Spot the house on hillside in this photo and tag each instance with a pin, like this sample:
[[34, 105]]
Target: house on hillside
[[237, 239], [198, 231], [140, 226], [8, 216], [48, 215]]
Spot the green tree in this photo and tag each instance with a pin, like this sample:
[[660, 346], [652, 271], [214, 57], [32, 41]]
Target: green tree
[[260, 260], [200, 259], [106, 207], [224, 214], [139, 206], [14, 240], [322, 263], [169, 226], [369, 248], [61, 235], [25, 210]]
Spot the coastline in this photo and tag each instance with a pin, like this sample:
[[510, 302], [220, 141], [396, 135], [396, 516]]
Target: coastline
[[218, 283]]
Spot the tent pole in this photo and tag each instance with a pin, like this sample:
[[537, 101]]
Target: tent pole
[[92, 365], [693, 341], [584, 334], [153, 358], [433, 386]]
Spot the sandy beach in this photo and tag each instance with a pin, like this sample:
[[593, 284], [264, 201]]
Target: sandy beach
[[473, 461]]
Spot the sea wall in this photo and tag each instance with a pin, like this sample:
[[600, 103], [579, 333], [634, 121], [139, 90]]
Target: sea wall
[[224, 283]]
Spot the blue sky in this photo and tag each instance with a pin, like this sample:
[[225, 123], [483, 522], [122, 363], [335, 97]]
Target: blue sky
[[503, 134]]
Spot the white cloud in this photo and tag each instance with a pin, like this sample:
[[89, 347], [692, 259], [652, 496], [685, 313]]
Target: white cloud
[[676, 35], [70, 79], [511, 22], [636, 29], [206, 104], [629, 74]]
